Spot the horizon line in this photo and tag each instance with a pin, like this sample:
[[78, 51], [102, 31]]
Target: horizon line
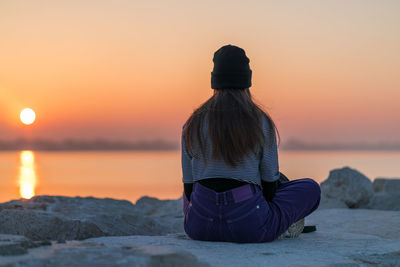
[[98, 144]]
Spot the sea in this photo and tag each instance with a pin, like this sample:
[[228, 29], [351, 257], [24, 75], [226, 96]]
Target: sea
[[132, 174]]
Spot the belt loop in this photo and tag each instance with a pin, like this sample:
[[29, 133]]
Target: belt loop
[[225, 202]]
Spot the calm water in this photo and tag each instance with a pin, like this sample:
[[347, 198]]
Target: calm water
[[130, 175]]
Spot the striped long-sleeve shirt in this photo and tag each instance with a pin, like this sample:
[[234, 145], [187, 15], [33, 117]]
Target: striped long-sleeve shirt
[[252, 168]]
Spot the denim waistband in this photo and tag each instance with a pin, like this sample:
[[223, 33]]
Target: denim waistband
[[234, 195]]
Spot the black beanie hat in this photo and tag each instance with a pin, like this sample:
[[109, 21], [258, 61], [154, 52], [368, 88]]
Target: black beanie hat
[[231, 69]]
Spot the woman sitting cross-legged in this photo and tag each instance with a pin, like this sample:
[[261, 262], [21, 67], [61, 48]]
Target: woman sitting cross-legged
[[233, 190]]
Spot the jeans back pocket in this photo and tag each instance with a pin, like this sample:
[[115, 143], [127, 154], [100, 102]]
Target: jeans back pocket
[[198, 225], [246, 224]]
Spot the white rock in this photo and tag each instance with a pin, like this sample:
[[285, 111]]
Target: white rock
[[384, 201], [14, 245], [331, 203], [349, 186], [67, 218], [386, 185]]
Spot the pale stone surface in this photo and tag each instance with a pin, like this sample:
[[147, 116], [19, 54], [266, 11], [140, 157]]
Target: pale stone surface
[[91, 254], [344, 237], [349, 186], [15, 245], [384, 201], [331, 203], [387, 194], [387, 185], [66, 218]]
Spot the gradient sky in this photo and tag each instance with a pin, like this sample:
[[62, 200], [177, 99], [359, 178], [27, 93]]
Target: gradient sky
[[326, 71]]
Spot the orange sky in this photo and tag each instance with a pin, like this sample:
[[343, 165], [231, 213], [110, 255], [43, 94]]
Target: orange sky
[[325, 70]]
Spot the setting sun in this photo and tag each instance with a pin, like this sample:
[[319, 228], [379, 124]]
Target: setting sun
[[27, 116]]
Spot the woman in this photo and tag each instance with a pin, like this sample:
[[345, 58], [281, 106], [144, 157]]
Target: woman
[[233, 190]]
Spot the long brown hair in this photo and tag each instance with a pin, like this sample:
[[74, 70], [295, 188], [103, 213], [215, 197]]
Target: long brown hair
[[235, 126]]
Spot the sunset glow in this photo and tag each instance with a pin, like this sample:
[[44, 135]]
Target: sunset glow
[[27, 174], [140, 73], [27, 116]]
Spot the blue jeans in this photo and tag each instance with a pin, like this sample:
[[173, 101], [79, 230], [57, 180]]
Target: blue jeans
[[243, 215]]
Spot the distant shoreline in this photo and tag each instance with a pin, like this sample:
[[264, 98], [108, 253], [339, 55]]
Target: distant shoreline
[[82, 145], [175, 149], [89, 150], [163, 145], [379, 146]]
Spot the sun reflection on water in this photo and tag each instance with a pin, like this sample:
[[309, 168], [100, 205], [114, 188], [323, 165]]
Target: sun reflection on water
[[27, 174]]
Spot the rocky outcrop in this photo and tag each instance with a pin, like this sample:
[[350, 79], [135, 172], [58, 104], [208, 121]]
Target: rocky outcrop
[[348, 186], [60, 218], [387, 194], [387, 185], [150, 232], [66, 218]]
